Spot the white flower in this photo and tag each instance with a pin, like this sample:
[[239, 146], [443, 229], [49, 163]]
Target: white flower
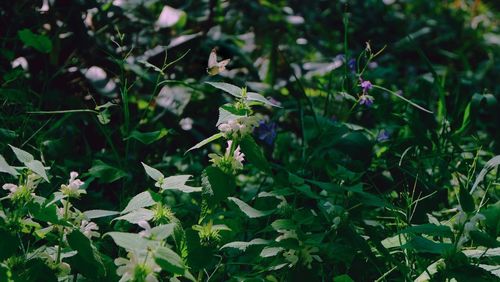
[[238, 127], [137, 268], [72, 189], [239, 156], [88, 229], [12, 188]]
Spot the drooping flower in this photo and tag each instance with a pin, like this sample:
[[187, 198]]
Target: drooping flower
[[266, 131], [89, 228], [366, 100]]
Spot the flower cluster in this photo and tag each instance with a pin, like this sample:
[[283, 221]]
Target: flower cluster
[[365, 99], [72, 189], [229, 162], [22, 192], [237, 128]]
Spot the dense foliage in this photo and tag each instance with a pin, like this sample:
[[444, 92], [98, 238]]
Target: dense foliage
[[342, 141]]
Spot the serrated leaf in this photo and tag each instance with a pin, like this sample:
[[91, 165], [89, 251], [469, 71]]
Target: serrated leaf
[[252, 96], [206, 141], [217, 185], [228, 88], [87, 259], [228, 112], [177, 182], [22, 155], [5, 167], [152, 172], [254, 154], [147, 137], [141, 200], [242, 246], [133, 242], [38, 168], [248, 210], [40, 42], [169, 261], [91, 214], [137, 215]]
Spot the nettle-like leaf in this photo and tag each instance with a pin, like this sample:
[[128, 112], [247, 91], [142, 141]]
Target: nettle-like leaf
[[153, 172], [141, 200], [87, 260], [228, 88], [229, 112], [248, 210], [171, 262], [5, 167], [91, 214], [252, 96], [254, 154], [40, 42], [206, 141], [242, 246], [133, 242], [217, 185], [270, 252], [29, 161], [137, 215], [178, 182]]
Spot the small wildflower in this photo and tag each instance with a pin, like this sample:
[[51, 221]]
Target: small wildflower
[[266, 132], [383, 136], [137, 268], [186, 123], [89, 228], [12, 188], [352, 65], [72, 189], [229, 163], [366, 100], [237, 128], [366, 85]]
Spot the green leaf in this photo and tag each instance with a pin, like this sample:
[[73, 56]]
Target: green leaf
[[429, 229], [217, 185], [5, 167], [491, 164], [38, 168], [35, 270], [137, 215], [229, 88], [141, 200], [8, 244], [466, 201], [106, 173], [91, 214], [248, 210], [22, 155], [132, 242], [147, 137], [169, 261], [422, 245], [229, 112], [177, 182], [206, 141], [252, 96], [492, 221], [484, 239], [152, 172], [40, 42], [163, 231], [254, 154], [283, 224], [87, 261], [242, 246]]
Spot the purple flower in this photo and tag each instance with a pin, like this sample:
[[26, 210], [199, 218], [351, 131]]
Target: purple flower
[[366, 85], [383, 136], [266, 131], [366, 100]]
